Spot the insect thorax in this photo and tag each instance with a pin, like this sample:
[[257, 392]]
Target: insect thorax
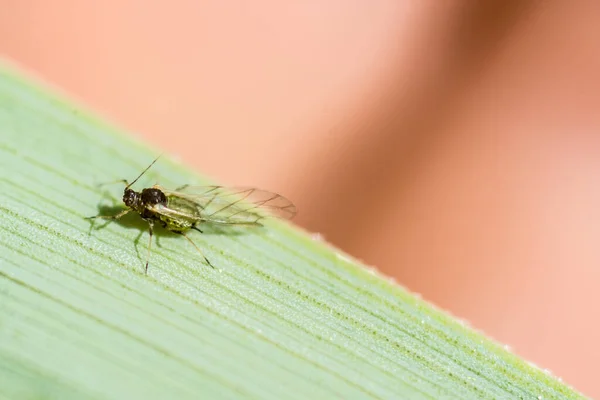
[[152, 196]]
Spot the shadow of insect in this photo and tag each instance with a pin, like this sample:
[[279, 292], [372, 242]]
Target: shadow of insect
[[134, 222]]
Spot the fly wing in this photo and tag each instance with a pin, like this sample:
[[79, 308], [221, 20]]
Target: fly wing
[[234, 205]]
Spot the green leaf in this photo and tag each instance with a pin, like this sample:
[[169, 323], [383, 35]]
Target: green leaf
[[284, 316]]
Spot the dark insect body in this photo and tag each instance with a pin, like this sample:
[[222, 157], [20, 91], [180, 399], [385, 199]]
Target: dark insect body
[[189, 206]]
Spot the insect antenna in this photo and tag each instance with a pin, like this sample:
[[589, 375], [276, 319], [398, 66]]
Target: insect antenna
[[143, 172]]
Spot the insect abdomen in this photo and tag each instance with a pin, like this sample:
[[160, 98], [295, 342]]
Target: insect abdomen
[[176, 224]]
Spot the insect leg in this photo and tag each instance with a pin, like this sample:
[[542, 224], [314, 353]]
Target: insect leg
[[110, 218], [150, 227], [181, 187], [197, 248], [117, 216]]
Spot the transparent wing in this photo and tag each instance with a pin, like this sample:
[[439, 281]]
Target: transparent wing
[[188, 213], [230, 205]]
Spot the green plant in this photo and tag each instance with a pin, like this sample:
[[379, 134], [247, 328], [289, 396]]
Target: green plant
[[284, 316]]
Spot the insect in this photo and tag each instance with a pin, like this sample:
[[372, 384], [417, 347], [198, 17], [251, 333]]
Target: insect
[[187, 207]]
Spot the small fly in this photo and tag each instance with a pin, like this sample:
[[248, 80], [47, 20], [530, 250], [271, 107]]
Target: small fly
[[188, 206]]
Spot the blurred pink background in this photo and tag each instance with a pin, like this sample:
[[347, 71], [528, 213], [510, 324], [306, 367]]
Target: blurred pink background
[[453, 145]]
